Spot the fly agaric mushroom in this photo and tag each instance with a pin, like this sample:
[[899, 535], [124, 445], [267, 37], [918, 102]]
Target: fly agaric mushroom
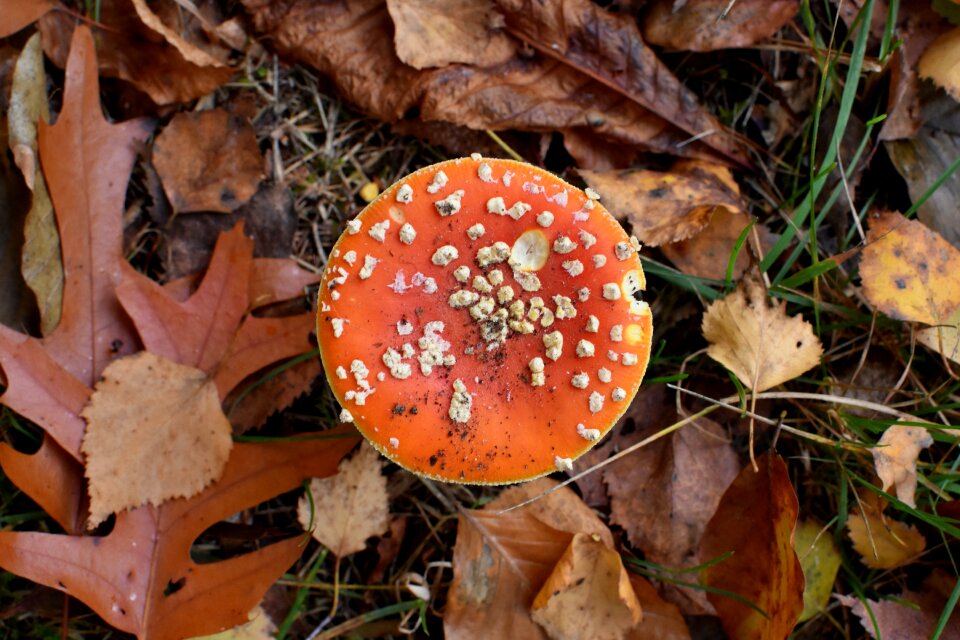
[[481, 321]]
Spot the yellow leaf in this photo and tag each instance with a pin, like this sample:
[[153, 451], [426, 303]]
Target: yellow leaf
[[820, 560], [896, 459], [909, 272], [258, 627], [756, 340], [588, 594], [881, 542], [941, 62], [945, 338], [155, 431], [349, 507]]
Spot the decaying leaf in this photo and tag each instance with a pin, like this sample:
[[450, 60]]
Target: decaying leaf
[[501, 560], [895, 458], [756, 340], [945, 338], [588, 594], [40, 259], [208, 161], [755, 520], [664, 494], [666, 207], [661, 619], [434, 34], [130, 50], [343, 511], [155, 431], [908, 271], [820, 560], [941, 62], [19, 13], [190, 52], [913, 614], [708, 25], [883, 543]]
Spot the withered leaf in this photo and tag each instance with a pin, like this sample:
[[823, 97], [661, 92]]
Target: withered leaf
[[882, 542], [155, 431], [190, 52], [501, 560], [913, 614], [587, 595], [756, 340], [939, 62], [670, 206], [755, 520], [17, 14], [341, 512], [820, 559], [130, 50], [708, 25], [895, 458], [208, 161], [434, 34], [707, 254], [258, 627], [661, 619]]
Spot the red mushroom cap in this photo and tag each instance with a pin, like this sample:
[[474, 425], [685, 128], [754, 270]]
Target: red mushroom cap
[[481, 321]]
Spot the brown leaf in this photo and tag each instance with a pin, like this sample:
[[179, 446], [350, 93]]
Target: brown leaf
[[664, 494], [883, 543], [500, 561], [755, 520], [661, 620], [252, 409], [707, 254], [896, 618], [17, 14], [668, 206], [190, 52], [756, 340], [341, 512], [434, 34], [130, 50], [588, 594], [895, 458], [155, 431], [125, 576], [208, 161], [708, 25]]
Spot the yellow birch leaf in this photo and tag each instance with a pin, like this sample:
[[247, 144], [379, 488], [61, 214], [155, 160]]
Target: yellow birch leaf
[[756, 340], [349, 507], [155, 431], [945, 338], [588, 594], [941, 62], [820, 560], [896, 459], [883, 543]]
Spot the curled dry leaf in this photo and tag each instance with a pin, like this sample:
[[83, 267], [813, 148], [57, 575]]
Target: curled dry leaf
[[820, 560], [895, 459], [883, 543], [666, 207], [342, 511], [588, 594], [434, 34], [208, 161], [190, 52], [501, 560], [756, 340], [40, 261], [755, 520], [708, 25], [130, 50], [155, 431]]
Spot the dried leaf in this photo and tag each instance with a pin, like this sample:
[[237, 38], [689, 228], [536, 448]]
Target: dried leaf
[[130, 50], [500, 561], [895, 459], [912, 614], [908, 271], [756, 340], [664, 495], [668, 207], [945, 338], [820, 560], [146, 583], [190, 52], [588, 594], [16, 303], [258, 627], [155, 431], [251, 409], [343, 511], [40, 259], [708, 25], [429, 33], [17, 14], [707, 254], [883, 543], [661, 620], [755, 520], [941, 62], [208, 161]]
